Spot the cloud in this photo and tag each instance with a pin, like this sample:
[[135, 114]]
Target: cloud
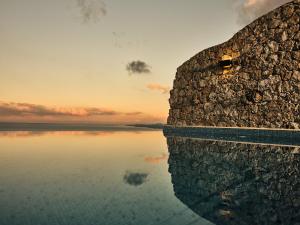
[[138, 67], [158, 87], [91, 10], [135, 179], [118, 39], [25, 109], [133, 113], [26, 112], [249, 10]]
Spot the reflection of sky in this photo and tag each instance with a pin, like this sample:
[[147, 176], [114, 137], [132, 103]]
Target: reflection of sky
[[156, 159], [64, 178], [29, 134]]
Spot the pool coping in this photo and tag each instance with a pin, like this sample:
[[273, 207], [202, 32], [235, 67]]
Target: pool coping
[[236, 134]]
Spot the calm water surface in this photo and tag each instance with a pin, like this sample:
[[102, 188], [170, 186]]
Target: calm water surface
[[141, 177]]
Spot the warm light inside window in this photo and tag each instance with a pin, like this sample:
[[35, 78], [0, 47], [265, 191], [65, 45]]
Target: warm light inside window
[[226, 62]]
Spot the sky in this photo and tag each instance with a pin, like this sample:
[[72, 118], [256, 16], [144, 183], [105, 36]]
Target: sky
[[106, 61]]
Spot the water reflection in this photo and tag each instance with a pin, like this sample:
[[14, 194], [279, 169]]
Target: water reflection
[[76, 178], [233, 183], [24, 134], [135, 179], [156, 159]]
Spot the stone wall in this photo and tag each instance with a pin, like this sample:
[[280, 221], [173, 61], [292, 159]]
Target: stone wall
[[261, 89], [236, 184]]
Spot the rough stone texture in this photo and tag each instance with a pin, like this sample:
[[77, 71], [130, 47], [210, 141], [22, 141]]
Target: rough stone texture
[[262, 89], [237, 184]]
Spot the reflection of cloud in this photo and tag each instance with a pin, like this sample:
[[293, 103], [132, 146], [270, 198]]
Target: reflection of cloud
[[91, 10], [158, 87], [138, 67], [135, 179], [26, 112], [249, 10], [13, 134], [157, 159], [37, 133]]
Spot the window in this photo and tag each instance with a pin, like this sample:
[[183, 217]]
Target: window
[[226, 62]]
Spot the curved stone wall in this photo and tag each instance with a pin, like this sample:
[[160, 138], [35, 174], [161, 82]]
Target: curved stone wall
[[260, 89]]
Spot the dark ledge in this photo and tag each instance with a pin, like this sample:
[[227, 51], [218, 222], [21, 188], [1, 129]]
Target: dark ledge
[[251, 135]]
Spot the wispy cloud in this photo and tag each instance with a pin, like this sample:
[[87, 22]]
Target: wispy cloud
[[158, 87], [134, 113], [91, 10], [118, 38], [249, 10], [26, 112], [138, 67], [25, 109]]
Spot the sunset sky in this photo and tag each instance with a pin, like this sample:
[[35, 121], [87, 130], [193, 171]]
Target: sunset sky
[[110, 61]]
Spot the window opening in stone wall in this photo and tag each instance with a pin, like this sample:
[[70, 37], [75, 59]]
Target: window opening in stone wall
[[226, 62]]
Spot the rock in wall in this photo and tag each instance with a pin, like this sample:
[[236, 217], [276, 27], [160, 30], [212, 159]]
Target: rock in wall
[[260, 88]]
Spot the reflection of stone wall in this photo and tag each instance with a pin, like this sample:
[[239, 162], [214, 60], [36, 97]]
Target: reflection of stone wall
[[262, 89], [232, 183]]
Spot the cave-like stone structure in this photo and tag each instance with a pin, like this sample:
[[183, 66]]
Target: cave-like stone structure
[[236, 184], [252, 80]]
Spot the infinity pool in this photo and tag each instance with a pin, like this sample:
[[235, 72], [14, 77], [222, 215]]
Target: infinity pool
[[141, 178]]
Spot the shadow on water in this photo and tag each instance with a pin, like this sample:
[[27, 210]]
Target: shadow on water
[[234, 183]]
